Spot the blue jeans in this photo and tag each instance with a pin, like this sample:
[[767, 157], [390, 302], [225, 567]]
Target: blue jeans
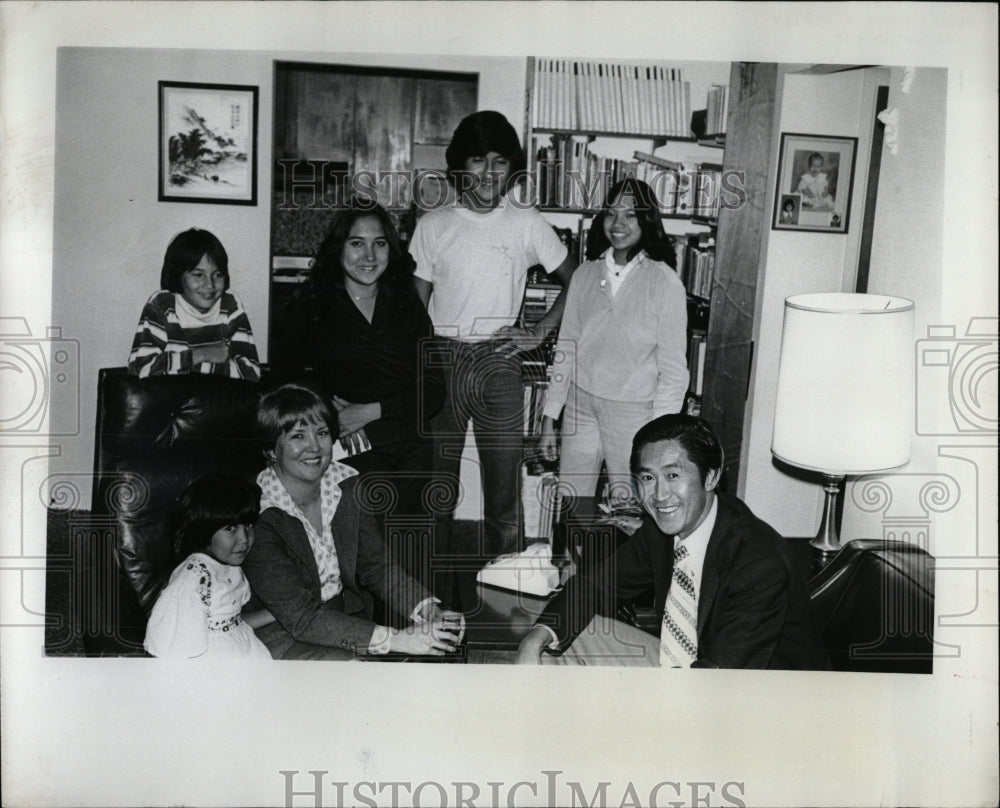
[[484, 388]]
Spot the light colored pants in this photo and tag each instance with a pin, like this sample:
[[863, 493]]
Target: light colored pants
[[596, 430], [606, 641]]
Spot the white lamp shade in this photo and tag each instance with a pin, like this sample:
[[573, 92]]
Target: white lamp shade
[[845, 384]]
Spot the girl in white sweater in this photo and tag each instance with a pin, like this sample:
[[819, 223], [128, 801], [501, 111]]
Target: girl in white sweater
[[621, 357]]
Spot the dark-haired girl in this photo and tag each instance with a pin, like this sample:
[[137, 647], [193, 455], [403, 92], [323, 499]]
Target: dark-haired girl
[[194, 324], [472, 261], [365, 331], [620, 360], [198, 613]]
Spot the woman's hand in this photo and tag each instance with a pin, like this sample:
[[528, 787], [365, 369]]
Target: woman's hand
[[548, 444], [355, 443], [215, 352], [433, 612], [510, 339], [434, 638], [530, 651], [353, 417]]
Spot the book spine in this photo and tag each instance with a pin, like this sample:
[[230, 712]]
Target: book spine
[[569, 95], [565, 96], [663, 125], [577, 81], [647, 92], [592, 95], [685, 114], [632, 79], [640, 85], [535, 87], [561, 91], [628, 104], [617, 79], [547, 92], [615, 98], [672, 126], [606, 101]]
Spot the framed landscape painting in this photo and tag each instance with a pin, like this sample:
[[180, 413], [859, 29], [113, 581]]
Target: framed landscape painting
[[208, 143]]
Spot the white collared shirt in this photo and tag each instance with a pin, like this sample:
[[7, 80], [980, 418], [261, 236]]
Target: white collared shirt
[[615, 275], [697, 542]]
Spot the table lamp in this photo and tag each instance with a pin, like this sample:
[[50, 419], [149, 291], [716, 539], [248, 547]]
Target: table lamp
[[845, 391]]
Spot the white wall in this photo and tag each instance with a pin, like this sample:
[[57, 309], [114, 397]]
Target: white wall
[[799, 262], [109, 229], [945, 498]]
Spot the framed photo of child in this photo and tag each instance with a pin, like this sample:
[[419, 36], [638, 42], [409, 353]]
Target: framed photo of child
[[815, 181]]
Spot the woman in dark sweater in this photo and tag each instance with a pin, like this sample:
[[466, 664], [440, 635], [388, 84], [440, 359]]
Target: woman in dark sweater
[[366, 333]]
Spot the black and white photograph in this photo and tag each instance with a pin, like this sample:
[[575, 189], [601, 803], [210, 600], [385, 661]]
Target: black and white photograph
[[381, 424], [819, 172]]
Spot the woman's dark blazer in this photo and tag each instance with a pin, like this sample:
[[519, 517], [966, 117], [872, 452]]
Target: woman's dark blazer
[[283, 574]]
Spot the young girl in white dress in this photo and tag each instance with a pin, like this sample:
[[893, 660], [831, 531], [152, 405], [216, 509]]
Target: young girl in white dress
[[198, 613]]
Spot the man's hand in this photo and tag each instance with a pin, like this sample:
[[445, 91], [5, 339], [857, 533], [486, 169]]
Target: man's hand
[[510, 339], [355, 443], [353, 417], [533, 646]]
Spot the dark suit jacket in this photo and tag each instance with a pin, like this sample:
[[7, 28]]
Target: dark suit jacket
[[753, 610], [283, 574]]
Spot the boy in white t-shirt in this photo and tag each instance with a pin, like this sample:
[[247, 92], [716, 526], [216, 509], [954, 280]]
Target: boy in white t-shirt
[[472, 260]]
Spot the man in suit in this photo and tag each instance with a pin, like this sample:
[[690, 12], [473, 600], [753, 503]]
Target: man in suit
[[726, 593]]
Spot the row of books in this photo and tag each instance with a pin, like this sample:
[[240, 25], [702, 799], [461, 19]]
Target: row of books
[[697, 343], [534, 404], [696, 265], [570, 175], [538, 299], [611, 97], [717, 109], [706, 190]]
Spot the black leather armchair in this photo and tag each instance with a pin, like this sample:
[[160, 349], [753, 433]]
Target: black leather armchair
[[154, 437], [874, 607]]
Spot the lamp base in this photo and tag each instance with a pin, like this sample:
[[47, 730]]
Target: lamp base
[[827, 540]]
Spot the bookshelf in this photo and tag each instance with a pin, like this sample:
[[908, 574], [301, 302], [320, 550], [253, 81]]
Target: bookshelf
[[721, 326]]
